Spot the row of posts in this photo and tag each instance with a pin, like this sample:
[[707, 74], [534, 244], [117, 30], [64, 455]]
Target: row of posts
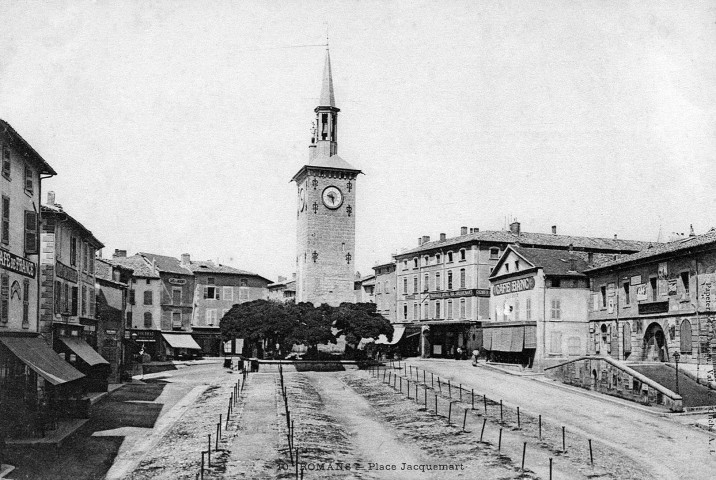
[[233, 402], [290, 428], [414, 375]]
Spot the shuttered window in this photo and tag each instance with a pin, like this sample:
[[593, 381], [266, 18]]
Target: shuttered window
[[5, 233], [626, 338], [6, 161], [25, 303], [29, 182], [685, 331], [147, 319], [4, 298], [30, 232]]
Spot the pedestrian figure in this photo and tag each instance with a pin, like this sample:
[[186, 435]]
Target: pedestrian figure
[[458, 354]]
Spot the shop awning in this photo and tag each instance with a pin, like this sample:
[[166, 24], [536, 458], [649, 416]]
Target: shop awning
[[176, 340], [397, 335], [509, 338], [84, 351], [37, 355]]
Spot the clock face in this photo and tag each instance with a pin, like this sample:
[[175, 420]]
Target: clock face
[[332, 197], [301, 199]]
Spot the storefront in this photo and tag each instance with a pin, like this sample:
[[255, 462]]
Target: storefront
[[179, 345], [36, 386], [85, 359], [140, 344], [209, 339], [443, 338], [510, 342]]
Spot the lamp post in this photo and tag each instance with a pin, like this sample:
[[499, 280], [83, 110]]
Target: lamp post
[[676, 357]]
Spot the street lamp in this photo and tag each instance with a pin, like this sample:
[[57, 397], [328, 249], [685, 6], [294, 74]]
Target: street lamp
[[676, 357]]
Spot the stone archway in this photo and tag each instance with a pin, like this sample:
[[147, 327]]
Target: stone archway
[[654, 348]]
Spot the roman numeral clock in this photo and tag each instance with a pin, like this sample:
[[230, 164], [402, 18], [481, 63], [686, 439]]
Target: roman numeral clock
[[326, 187]]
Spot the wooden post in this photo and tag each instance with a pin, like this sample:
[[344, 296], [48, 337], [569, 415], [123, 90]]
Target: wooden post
[[424, 376], [564, 443], [408, 380], [484, 400], [501, 418], [297, 464], [416, 392], [293, 429], [449, 411], [218, 432], [431, 379], [401, 384], [550, 468], [464, 420], [540, 428], [384, 375], [202, 465], [436, 405], [449, 389], [591, 455], [440, 387], [425, 391], [220, 423], [482, 432], [518, 417], [472, 392], [208, 451], [524, 450], [499, 441]]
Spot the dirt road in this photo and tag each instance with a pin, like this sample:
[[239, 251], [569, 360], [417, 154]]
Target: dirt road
[[669, 449]]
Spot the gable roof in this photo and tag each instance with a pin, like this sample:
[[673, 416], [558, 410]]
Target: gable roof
[[551, 261], [166, 264], [529, 239], [659, 249], [25, 148], [139, 264], [56, 210], [207, 266]]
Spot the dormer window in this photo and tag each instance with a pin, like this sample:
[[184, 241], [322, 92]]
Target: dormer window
[[507, 267]]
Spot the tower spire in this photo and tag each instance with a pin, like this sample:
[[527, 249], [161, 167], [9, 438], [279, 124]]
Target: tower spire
[[327, 97]]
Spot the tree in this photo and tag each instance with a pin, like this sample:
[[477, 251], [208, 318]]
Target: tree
[[313, 325], [360, 320], [262, 323]]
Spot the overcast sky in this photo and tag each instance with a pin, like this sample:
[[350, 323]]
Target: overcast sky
[[176, 126]]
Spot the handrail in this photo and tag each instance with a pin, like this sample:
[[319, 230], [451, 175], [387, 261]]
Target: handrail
[[639, 376]]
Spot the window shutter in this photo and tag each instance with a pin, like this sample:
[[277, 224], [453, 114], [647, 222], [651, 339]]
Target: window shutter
[[5, 234], [30, 232], [4, 298]]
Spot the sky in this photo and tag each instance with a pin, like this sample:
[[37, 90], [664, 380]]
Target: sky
[[176, 126]]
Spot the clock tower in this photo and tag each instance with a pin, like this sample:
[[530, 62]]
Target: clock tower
[[325, 255]]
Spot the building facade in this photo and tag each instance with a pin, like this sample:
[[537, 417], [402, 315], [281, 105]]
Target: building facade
[[648, 306], [364, 288], [68, 303], [326, 189], [283, 290], [385, 290], [34, 382], [444, 285], [218, 288], [112, 295], [539, 300]]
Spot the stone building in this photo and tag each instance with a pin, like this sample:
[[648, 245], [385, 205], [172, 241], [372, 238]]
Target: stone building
[[283, 290], [539, 300], [647, 306], [68, 303], [385, 290], [112, 294], [444, 285], [143, 332], [218, 288], [34, 382], [364, 288], [326, 190]]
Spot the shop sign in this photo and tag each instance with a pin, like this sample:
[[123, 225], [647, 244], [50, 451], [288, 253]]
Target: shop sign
[[10, 261], [66, 273], [514, 286], [641, 292], [177, 281], [653, 307], [110, 332], [469, 292], [635, 280], [707, 291]]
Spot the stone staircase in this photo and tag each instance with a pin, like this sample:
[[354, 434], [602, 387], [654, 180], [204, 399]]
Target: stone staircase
[[692, 393]]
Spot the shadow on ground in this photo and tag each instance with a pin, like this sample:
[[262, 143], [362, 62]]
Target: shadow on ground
[[84, 457]]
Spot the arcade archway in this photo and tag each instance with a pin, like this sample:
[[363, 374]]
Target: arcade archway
[[655, 349]]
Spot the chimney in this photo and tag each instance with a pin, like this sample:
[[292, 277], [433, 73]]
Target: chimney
[[554, 229], [426, 239], [691, 233], [119, 253], [615, 236], [515, 227], [475, 229], [572, 264], [420, 241], [463, 230], [185, 259], [293, 275], [442, 237], [51, 198], [281, 279]]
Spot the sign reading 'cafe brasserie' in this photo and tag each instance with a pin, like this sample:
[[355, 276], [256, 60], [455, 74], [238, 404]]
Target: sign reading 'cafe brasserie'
[[514, 286], [16, 264]]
